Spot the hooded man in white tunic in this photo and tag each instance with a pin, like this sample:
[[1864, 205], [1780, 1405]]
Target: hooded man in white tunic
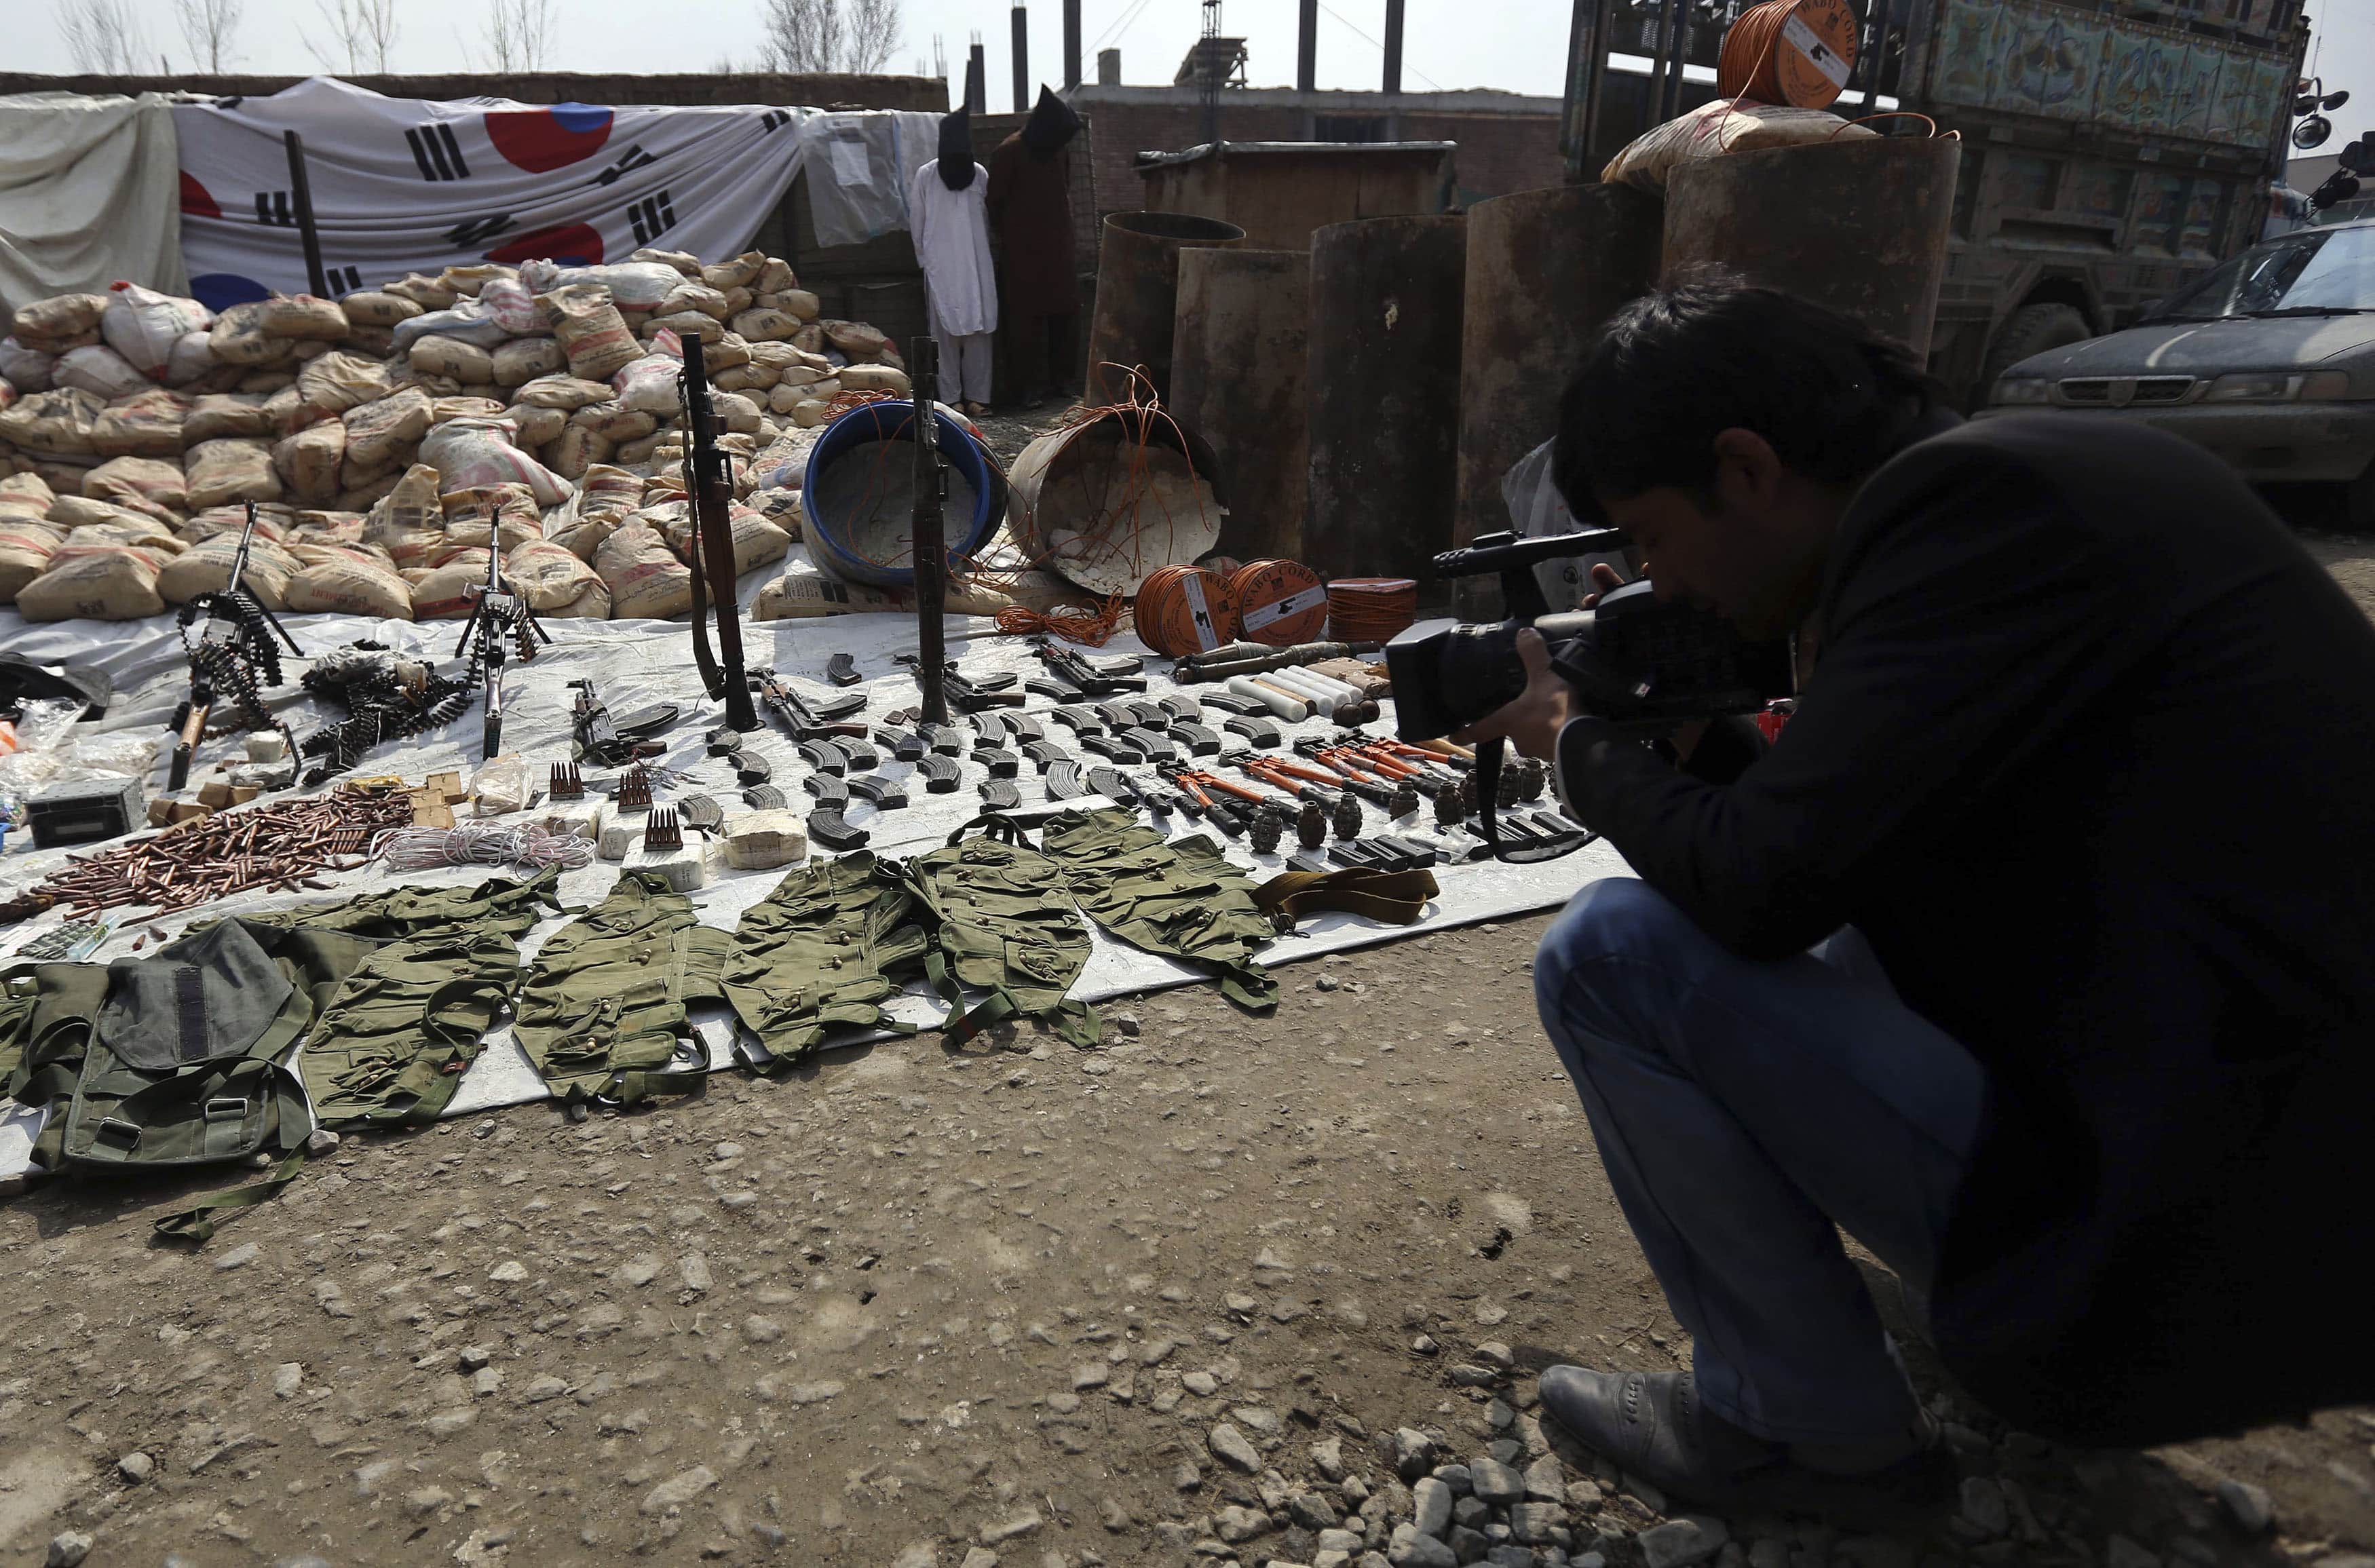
[[947, 216]]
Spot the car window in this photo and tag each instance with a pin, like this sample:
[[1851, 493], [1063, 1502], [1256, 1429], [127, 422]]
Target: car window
[[2315, 269], [2340, 274]]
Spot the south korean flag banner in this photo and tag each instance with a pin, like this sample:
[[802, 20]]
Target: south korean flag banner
[[402, 185]]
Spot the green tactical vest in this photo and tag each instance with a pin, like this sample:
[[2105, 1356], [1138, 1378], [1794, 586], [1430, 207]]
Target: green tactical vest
[[1002, 922], [173, 1060], [1176, 897], [395, 1043], [819, 950], [602, 1013]]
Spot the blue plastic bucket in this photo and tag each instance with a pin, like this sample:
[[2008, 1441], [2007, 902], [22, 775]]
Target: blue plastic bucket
[[857, 498]]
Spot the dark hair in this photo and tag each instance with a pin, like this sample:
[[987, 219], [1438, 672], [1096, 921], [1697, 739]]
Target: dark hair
[[1670, 370]]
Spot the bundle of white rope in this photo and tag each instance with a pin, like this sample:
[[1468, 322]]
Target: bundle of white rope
[[482, 843]]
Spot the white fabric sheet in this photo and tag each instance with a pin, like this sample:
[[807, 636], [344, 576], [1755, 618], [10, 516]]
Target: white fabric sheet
[[86, 197], [860, 164], [639, 662]]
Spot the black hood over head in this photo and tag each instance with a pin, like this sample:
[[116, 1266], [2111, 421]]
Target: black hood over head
[[1052, 123], [956, 149]]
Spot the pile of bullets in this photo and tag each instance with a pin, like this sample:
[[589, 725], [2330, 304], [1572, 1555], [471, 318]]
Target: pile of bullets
[[273, 847]]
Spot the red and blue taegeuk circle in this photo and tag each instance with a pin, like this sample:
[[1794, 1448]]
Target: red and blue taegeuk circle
[[542, 139]]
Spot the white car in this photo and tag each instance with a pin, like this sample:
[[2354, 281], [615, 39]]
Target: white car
[[2269, 361]]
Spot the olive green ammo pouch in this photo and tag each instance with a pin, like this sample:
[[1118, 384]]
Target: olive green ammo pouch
[[395, 1041], [819, 950], [172, 1061], [1003, 922], [602, 1014], [1176, 897]]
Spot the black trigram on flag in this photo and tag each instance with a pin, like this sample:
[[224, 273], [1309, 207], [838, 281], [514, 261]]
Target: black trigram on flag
[[343, 279], [272, 209], [436, 151], [774, 119], [633, 158], [468, 233], [651, 217]]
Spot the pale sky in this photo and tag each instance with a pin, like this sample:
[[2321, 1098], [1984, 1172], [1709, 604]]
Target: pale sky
[[1519, 45]]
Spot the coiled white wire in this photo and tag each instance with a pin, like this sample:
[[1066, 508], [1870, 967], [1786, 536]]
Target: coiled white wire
[[422, 849]]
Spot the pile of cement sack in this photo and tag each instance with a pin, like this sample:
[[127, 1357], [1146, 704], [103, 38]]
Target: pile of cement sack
[[386, 437]]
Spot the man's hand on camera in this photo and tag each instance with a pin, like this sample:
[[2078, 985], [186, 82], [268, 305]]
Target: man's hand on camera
[[1532, 722]]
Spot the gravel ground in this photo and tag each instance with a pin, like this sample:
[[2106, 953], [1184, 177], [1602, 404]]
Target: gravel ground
[[1228, 1289], [1206, 1294]]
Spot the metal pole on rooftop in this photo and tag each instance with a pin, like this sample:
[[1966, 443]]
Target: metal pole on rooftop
[[1071, 44], [1306, 48], [1393, 45], [1022, 59]]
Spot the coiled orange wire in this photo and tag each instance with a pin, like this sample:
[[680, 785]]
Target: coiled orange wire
[[1371, 609]]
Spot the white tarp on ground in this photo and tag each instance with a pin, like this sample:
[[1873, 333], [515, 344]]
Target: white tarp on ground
[[635, 663], [86, 197], [403, 184]]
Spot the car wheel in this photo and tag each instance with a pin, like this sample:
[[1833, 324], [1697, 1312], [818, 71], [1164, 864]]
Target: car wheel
[[2358, 502], [2032, 329]]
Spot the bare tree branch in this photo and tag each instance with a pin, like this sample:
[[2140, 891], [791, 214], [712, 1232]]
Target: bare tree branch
[[361, 33], [824, 36], [873, 36], [519, 35], [207, 27], [103, 37], [379, 28]]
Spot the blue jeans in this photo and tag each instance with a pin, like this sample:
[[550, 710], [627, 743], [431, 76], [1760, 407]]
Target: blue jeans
[[1745, 1113]]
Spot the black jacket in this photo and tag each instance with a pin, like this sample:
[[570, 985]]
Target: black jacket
[[2089, 756]]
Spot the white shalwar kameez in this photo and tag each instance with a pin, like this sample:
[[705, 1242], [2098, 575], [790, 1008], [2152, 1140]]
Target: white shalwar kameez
[[951, 234]]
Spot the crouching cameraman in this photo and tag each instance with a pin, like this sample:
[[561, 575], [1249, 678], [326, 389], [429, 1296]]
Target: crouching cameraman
[[2037, 953]]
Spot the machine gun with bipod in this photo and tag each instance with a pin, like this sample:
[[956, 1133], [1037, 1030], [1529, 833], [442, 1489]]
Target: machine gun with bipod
[[498, 619], [233, 659]]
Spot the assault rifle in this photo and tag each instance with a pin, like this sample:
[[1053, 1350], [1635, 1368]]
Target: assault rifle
[[234, 657], [1083, 677], [495, 617], [802, 719], [973, 693], [612, 742], [709, 492]]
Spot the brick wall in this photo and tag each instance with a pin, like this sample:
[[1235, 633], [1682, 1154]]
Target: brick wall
[[1499, 154]]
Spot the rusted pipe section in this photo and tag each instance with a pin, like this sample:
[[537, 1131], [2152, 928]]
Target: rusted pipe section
[[1546, 268], [1383, 379], [1138, 289]]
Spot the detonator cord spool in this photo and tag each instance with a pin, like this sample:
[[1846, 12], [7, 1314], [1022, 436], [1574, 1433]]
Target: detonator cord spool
[[1279, 602], [1766, 59], [1186, 609], [1371, 609]]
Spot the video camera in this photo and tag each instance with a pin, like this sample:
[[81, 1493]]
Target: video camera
[[1631, 659]]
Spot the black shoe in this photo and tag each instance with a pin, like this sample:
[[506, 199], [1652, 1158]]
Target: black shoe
[[1652, 1425]]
